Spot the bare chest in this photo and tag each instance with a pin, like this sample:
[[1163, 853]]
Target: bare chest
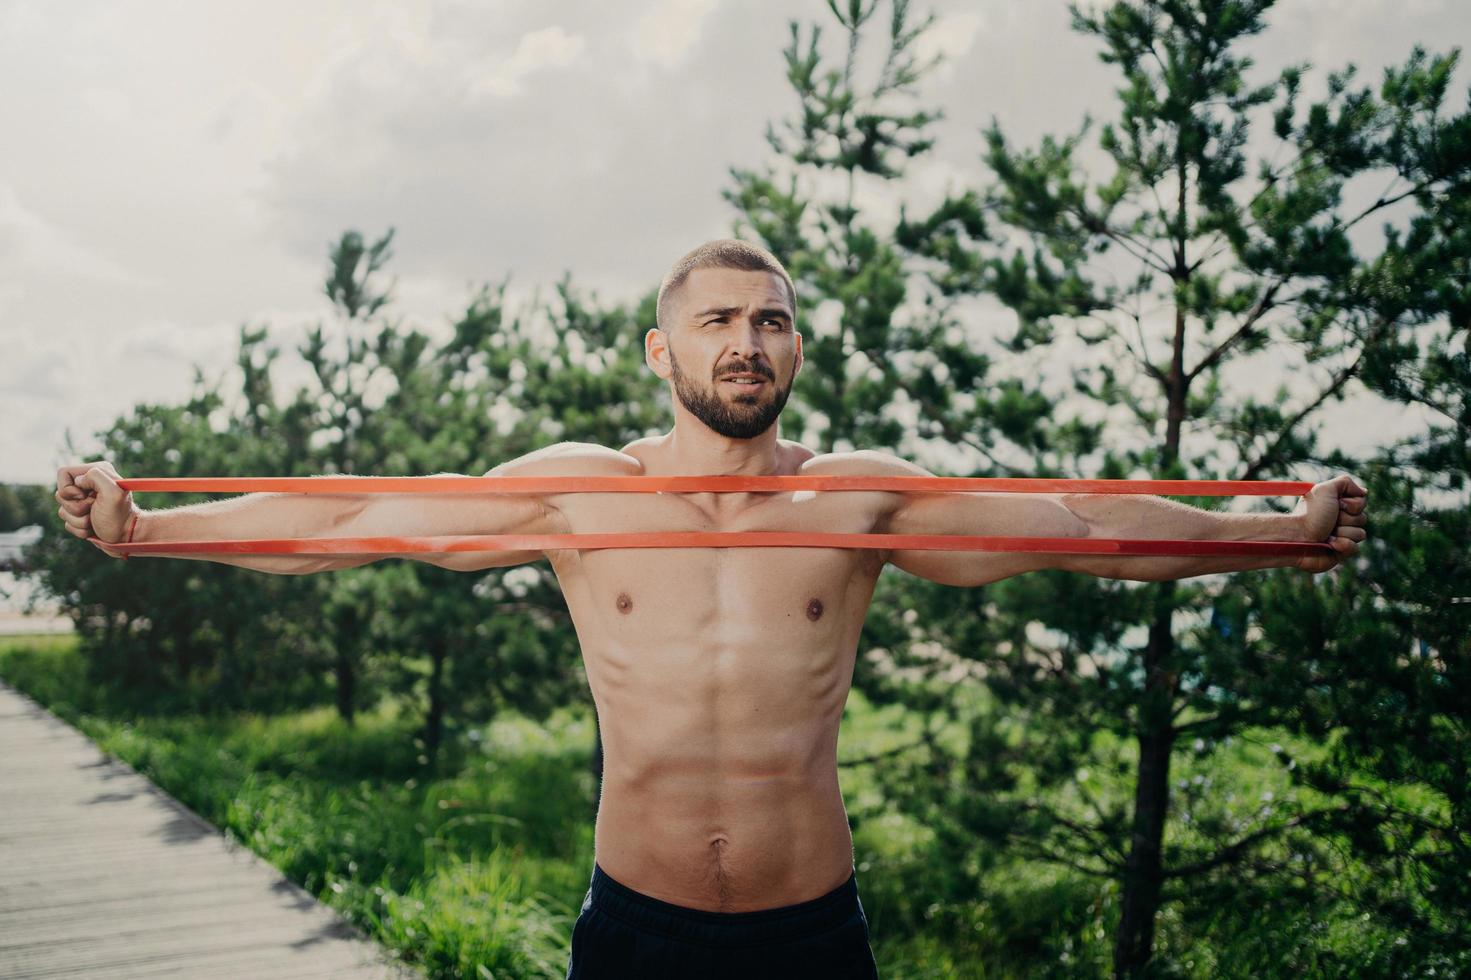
[[738, 596]]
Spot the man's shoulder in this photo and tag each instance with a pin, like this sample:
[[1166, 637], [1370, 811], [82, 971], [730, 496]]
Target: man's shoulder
[[860, 462], [591, 459], [571, 459]]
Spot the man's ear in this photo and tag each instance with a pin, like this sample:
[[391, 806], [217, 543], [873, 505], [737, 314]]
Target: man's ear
[[798, 366], [656, 353]]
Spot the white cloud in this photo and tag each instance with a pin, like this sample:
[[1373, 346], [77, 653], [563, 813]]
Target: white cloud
[[597, 166], [952, 37], [109, 105], [180, 169], [667, 33], [33, 248], [550, 47]]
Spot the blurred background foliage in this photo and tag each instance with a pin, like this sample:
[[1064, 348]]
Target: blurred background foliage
[[1262, 774]]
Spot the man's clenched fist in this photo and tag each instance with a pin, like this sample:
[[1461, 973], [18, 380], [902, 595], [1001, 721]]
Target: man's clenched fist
[[92, 504], [1333, 512]]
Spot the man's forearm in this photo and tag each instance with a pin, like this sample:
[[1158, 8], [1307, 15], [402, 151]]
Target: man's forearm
[[271, 515], [277, 515], [1145, 517]]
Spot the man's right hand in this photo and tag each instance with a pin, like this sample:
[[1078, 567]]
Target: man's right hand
[[92, 504]]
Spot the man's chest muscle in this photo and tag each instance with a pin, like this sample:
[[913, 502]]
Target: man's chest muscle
[[719, 595]]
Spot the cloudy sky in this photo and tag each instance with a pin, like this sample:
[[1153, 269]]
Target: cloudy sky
[[173, 170]]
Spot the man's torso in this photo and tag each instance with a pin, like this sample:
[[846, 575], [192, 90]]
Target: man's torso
[[720, 677]]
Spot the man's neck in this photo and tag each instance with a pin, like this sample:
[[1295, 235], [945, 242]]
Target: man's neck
[[693, 449]]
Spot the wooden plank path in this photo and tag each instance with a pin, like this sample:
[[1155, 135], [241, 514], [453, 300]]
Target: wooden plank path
[[102, 874]]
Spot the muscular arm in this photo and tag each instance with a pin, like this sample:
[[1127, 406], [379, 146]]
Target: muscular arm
[[1105, 516], [336, 515], [348, 516]]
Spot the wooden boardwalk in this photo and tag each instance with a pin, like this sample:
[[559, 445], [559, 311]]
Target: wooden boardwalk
[[102, 874]]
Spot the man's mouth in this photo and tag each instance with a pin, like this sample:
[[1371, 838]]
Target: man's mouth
[[744, 380]]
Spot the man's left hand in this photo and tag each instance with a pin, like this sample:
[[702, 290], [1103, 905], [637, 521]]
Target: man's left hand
[[1333, 512]]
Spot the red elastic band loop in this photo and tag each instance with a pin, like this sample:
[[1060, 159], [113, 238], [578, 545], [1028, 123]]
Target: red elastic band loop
[[723, 539], [713, 539], [707, 484]]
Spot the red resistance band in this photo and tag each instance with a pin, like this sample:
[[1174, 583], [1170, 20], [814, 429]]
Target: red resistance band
[[708, 484], [710, 539]]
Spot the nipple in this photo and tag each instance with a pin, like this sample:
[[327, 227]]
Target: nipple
[[625, 604], [814, 610]]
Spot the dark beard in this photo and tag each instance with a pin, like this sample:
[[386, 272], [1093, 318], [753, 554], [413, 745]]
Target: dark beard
[[745, 419]]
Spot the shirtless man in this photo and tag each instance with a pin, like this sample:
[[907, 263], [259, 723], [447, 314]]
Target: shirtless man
[[719, 675]]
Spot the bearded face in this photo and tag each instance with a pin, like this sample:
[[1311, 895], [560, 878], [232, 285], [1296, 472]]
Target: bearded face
[[740, 401], [738, 349]]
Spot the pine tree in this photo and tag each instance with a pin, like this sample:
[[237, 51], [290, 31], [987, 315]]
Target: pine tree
[[381, 399], [1392, 645], [1256, 275]]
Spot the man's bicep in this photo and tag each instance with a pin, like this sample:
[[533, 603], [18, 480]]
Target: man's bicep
[[478, 512], [987, 514], [531, 513], [568, 459], [476, 561], [984, 515], [1041, 515], [560, 459], [966, 568], [415, 515]]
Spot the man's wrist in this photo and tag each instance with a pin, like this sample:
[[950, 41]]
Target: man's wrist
[[1303, 532], [133, 530], [1263, 527], [137, 527]]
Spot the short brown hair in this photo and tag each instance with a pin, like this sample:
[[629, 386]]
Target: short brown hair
[[722, 253]]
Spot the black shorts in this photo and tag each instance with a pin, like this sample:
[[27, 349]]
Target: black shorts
[[624, 933]]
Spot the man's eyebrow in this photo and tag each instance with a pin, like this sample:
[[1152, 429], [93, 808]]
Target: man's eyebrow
[[718, 311], [772, 311]]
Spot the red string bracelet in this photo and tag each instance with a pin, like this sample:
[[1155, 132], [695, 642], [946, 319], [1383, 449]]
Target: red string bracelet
[[122, 548], [131, 528]]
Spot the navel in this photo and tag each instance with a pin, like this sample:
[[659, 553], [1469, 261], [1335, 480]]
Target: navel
[[624, 603], [814, 609]]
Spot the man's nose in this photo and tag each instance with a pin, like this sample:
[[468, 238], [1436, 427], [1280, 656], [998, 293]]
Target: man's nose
[[747, 340]]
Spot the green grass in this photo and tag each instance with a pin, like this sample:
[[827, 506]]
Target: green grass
[[479, 870]]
